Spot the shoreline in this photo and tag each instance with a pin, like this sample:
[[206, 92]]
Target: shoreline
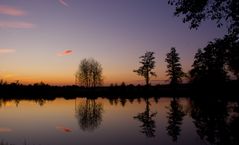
[[225, 90]]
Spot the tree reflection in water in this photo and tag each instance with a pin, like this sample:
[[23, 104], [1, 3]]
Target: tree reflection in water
[[89, 115], [217, 121], [175, 118], [148, 127]]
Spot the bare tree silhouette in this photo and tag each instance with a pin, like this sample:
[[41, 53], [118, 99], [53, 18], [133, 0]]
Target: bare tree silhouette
[[89, 73]]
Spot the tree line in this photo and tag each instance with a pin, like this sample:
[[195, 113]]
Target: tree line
[[215, 63]]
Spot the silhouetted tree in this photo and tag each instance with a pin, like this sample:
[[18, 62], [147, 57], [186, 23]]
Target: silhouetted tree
[[148, 126], [196, 11], [174, 71], [197, 73], [148, 64], [89, 73], [89, 115], [223, 12], [175, 118], [209, 63]]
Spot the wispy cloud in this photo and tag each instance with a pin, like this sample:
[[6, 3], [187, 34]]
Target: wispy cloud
[[16, 24], [6, 50], [12, 11], [65, 52], [63, 3]]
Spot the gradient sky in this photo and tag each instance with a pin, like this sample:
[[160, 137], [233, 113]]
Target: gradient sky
[[45, 40]]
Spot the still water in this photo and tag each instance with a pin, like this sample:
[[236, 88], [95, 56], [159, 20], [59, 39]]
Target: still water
[[153, 121]]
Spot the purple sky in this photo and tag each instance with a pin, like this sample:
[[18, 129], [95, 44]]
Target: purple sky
[[45, 40]]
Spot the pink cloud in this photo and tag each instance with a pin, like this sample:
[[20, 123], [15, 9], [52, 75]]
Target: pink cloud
[[63, 3], [16, 24], [65, 52], [6, 50], [12, 11], [64, 129]]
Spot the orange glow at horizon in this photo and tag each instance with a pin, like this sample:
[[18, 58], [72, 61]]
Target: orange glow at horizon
[[71, 80], [110, 76], [32, 39]]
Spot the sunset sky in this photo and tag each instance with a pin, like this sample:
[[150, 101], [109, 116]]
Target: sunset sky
[[45, 40]]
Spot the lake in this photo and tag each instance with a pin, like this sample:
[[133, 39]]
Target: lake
[[102, 121]]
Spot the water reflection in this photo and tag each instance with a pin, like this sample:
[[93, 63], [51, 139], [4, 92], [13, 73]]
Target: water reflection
[[217, 121], [113, 101], [182, 121], [148, 124], [16, 101], [123, 101], [175, 118], [4, 143], [89, 114]]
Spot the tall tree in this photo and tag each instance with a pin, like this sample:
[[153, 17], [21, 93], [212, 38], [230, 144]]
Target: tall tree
[[148, 64], [89, 73], [220, 11], [174, 66], [209, 63], [198, 67]]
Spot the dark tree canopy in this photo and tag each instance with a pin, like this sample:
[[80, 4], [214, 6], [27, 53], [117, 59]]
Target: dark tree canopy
[[148, 64], [232, 48], [223, 12], [89, 73], [222, 55], [174, 70], [216, 60], [209, 63]]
